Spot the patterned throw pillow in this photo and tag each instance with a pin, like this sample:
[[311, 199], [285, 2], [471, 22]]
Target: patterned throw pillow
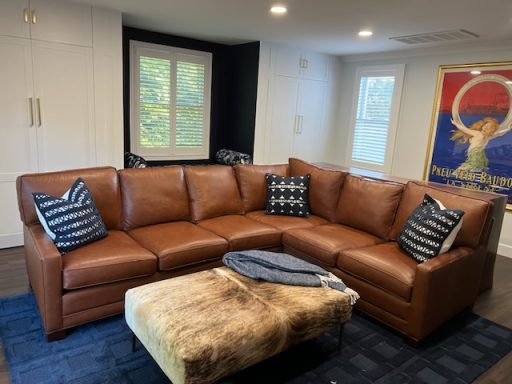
[[71, 220], [131, 160], [430, 230], [287, 195], [230, 157]]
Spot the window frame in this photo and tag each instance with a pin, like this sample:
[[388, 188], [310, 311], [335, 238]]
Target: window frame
[[173, 54], [396, 70]]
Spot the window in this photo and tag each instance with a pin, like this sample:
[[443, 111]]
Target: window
[[374, 116], [169, 102]]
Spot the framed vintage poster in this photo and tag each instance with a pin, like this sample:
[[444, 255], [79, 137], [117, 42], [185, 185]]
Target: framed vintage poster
[[471, 130]]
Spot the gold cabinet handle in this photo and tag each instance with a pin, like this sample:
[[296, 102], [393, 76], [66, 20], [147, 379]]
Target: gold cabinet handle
[[34, 17], [40, 122], [31, 111], [25, 15]]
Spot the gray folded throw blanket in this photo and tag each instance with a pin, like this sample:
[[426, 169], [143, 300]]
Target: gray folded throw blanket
[[285, 269]]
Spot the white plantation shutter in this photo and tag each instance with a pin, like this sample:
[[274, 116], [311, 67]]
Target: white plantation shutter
[[372, 120], [170, 102], [189, 105], [155, 102], [378, 93]]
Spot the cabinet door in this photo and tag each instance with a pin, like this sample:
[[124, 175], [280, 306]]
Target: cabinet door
[[279, 137], [14, 18], [63, 82], [310, 141], [315, 66], [61, 21], [17, 133], [108, 87], [286, 61]]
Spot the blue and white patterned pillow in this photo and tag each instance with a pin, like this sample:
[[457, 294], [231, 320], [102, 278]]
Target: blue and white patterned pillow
[[71, 220], [430, 230], [287, 195]]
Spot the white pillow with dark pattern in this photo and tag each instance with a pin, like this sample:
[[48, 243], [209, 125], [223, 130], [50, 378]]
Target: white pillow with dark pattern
[[287, 195], [430, 230], [71, 220]]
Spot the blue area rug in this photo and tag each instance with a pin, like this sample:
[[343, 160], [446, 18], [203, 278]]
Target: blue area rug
[[371, 353]]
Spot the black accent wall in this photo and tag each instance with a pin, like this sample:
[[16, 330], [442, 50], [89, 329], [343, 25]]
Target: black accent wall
[[233, 94], [245, 60]]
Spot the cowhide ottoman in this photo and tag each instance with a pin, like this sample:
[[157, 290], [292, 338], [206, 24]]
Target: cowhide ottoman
[[207, 325]]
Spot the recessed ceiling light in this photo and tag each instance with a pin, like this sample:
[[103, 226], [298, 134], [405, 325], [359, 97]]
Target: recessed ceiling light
[[278, 10], [365, 33], [475, 72]]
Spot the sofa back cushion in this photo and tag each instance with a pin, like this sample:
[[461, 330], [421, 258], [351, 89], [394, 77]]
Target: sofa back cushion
[[153, 195], [212, 191], [475, 216], [252, 183], [102, 182], [324, 187], [369, 205]]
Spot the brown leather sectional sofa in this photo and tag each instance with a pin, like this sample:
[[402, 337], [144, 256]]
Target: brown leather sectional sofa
[[168, 221]]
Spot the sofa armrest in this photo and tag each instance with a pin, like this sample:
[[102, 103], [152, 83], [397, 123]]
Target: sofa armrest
[[44, 268], [443, 287]]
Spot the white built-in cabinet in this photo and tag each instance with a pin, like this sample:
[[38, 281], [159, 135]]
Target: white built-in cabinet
[[291, 62], [292, 110], [60, 94]]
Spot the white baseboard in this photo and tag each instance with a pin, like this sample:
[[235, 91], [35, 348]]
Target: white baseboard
[[505, 250], [11, 240]]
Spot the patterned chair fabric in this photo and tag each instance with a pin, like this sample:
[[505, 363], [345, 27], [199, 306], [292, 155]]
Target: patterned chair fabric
[[230, 157]]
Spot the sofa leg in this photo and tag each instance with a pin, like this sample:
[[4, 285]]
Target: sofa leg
[[410, 341], [58, 335]]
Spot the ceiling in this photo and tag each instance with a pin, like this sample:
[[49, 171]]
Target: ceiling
[[328, 26]]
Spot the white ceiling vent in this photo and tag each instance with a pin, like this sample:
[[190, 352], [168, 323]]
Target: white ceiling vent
[[436, 37]]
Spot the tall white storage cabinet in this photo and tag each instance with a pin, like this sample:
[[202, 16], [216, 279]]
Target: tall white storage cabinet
[[292, 111], [64, 108], [48, 93]]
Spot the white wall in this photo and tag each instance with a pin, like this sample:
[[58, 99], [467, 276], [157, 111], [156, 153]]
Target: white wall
[[421, 67]]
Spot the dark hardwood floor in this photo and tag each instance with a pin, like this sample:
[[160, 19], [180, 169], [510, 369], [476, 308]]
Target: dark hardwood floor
[[495, 305]]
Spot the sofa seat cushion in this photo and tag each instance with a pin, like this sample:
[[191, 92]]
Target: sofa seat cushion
[[180, 243], [243, 233], [384, 266], [286, 222], [325, 242], [116, 257]]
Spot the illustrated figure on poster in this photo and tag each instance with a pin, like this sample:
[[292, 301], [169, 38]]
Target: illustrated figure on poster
[[479, 134]]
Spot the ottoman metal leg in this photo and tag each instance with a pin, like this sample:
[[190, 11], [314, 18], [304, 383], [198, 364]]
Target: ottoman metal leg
[[340, 335], [134, 342]]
